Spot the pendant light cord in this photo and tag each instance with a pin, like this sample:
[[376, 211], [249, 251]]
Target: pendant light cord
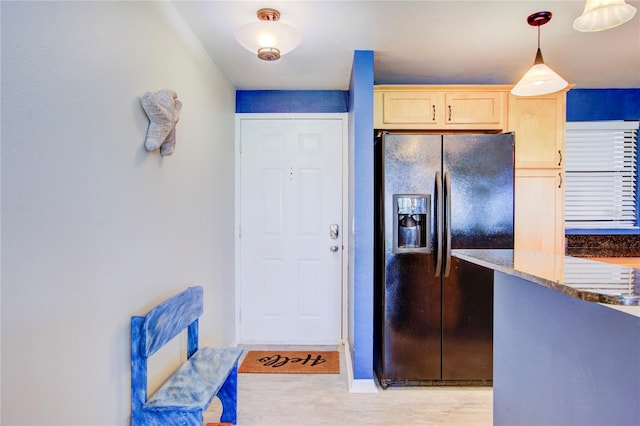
[[539, 36], [538, 59]]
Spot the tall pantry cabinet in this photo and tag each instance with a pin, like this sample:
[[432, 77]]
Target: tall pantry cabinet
[[539, 126]]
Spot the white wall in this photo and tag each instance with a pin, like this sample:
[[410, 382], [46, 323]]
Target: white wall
[[94, 228]]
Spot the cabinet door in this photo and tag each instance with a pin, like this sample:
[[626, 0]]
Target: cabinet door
[[541, 264], [412, 109], [539, 210], [475, 110], [539, 125]]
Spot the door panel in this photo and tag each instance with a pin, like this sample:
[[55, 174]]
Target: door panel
[[539, 210], [291, 192], [482, 176], [467, 323], [411, 291]]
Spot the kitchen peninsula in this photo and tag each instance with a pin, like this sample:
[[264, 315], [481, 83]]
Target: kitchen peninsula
[[566, 339]]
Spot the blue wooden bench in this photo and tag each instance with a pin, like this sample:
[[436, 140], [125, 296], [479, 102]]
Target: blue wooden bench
[[207, 372]]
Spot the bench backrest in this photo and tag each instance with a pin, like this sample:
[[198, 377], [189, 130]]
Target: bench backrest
[[169, 318], [161, 324]]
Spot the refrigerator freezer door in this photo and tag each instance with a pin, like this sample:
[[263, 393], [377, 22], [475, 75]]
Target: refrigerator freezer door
[[411, 291], [480, 216]]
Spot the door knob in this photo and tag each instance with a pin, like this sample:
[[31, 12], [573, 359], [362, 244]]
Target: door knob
[[333, 248]]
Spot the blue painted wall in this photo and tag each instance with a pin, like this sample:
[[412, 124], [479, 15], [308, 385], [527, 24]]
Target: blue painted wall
[[283, 101], [361, 136], [582, 104], [603, 104]]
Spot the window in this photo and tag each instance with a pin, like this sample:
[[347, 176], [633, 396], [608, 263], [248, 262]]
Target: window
[[601, 175]]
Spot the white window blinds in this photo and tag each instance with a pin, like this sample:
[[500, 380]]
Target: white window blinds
[[601, 174]]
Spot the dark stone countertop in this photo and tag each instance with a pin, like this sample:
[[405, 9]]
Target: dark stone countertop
[[603, 245], [579, 278]]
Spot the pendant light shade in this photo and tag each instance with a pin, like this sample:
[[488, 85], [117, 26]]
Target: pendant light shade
[[600, 15], [540, 79], [268, 38]]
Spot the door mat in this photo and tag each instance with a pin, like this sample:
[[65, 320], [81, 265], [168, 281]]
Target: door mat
[[300, 362]]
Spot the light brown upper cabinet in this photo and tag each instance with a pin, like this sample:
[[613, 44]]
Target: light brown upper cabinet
[[454, 107], [539, 125]]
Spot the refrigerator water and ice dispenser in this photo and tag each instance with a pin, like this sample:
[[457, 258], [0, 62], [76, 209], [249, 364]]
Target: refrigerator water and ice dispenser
[[411, 223]]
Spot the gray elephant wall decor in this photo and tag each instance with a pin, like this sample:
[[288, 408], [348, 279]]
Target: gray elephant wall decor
[[163, 109]]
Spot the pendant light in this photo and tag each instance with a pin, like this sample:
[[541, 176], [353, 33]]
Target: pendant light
[[268, 38], [600, 15], [540, 79]]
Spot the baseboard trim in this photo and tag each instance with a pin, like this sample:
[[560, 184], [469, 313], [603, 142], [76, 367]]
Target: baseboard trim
[[357, 385]]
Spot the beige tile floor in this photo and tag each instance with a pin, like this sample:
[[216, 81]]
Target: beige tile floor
[[324, 399]]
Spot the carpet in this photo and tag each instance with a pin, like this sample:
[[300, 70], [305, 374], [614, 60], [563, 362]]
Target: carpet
[[300, 362]]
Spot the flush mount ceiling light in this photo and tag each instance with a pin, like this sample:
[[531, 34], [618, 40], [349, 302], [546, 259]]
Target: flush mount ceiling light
[[600, 15], [268, 38], [540, 79]]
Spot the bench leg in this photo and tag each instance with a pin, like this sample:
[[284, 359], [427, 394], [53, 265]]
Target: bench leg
[[228, 395], [166, 418]]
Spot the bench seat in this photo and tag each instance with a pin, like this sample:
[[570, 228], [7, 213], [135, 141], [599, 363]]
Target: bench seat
[[193, 386]]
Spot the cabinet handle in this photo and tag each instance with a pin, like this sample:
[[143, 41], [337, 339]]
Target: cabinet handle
[[449, 112], [560, 183], [434, 113], [560, 158]]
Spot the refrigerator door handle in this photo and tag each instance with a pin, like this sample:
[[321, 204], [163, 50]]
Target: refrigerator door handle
[[447, 222], [439, 218]]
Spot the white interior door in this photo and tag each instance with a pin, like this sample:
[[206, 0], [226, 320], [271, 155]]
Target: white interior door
[[291, 230]]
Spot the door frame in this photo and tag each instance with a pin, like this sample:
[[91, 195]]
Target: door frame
[[345, 207]]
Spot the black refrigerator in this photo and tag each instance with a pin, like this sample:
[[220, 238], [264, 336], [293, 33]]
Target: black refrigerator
[[434, 313]]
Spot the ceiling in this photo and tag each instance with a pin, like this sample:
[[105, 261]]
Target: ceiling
[[428, 42]]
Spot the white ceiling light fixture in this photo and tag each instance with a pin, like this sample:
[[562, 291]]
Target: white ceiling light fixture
[[601, 15], [540, 79], [268, 38]]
